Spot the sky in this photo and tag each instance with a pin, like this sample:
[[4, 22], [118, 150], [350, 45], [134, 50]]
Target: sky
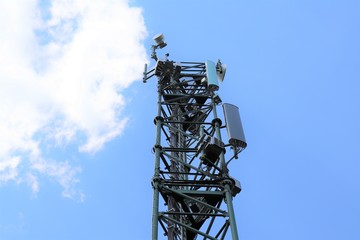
[[76, 121]]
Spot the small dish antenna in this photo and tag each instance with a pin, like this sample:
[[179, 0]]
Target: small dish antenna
[[220, 70]]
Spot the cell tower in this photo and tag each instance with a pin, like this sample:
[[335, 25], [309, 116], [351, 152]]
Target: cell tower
[[191, 176]]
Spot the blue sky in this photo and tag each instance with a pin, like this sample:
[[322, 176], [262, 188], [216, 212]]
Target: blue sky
[[77, 121]]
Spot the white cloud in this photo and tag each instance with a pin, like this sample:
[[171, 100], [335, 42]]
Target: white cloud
[[62, 69], [33, 182], [8, 169]]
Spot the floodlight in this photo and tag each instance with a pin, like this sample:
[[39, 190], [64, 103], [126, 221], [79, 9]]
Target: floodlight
[[159, 40]]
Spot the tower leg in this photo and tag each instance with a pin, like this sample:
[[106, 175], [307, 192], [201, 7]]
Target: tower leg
[[155, 215], [231, 213], [156, 178]]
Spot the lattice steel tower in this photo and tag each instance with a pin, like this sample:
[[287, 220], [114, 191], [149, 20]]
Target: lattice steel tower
[[191, 175]]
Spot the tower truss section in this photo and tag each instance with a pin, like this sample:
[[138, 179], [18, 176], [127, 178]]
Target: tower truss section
[[193, 191]]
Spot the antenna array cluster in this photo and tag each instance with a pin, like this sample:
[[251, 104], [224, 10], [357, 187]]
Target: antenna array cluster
[[191, 175]]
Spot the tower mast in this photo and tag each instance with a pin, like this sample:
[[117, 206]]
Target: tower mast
[[191, 175]]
